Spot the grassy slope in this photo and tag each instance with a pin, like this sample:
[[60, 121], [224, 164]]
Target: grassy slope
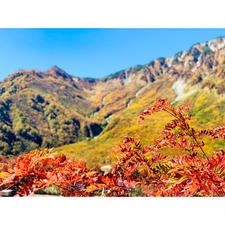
[[207, 108]]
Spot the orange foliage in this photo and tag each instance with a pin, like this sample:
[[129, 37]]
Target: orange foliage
[[137, 165]]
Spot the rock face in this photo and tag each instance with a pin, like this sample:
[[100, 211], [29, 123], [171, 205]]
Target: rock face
[[53, 108]]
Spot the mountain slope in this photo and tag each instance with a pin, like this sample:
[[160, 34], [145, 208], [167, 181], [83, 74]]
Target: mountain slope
[[42, 110], [183, 78], [52, 108]]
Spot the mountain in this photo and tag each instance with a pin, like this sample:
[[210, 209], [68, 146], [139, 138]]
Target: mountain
[[53, 108], [43, 109], [196, 76]]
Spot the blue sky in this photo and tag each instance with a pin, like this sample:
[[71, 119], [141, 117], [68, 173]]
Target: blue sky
[[92, 52]]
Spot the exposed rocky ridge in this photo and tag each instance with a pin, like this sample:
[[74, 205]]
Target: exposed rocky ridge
[[52, 108], [194, 66]]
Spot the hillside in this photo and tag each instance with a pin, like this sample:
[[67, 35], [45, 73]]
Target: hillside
[[42, 109], [195, 76], [53, 108]]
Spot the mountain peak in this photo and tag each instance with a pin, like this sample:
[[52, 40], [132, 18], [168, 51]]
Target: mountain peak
[[56, 69], [58, 72]]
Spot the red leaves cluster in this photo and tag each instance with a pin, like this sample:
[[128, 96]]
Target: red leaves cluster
[[32, 172], [215, 133], [137, 166], [189, 175], [164, 105], [39, 169]]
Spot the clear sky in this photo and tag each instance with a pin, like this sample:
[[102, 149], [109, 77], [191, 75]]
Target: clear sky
[[92, 52]]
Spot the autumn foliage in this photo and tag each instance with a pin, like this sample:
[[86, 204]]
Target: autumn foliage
[[139, 170]]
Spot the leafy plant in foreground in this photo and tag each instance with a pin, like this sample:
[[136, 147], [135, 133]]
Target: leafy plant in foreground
[[188, 175], [138, 167]]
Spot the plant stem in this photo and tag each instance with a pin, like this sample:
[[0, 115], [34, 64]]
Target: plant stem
[[200, 147]]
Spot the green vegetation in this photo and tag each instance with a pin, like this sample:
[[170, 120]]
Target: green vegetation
[[206, 50], [178, 54], [196, 53], [219, 38], [138, 68], [176, 57], [111, 76], [152, 63], [161, 60]]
